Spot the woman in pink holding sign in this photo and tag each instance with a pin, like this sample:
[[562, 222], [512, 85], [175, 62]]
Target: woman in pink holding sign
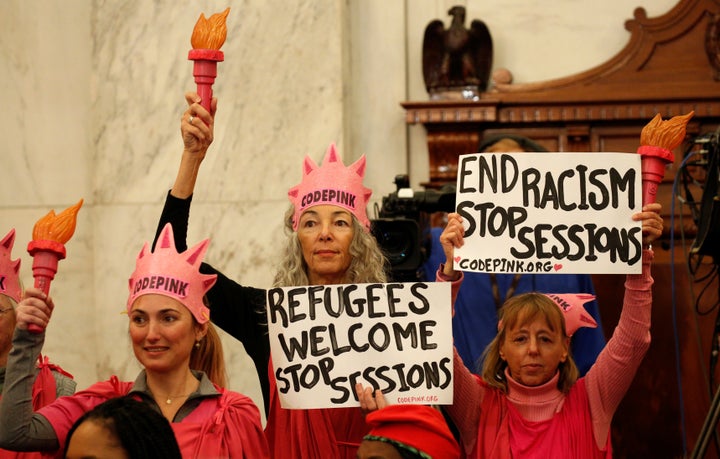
[[329, 242], [531, 402], [169, 329]]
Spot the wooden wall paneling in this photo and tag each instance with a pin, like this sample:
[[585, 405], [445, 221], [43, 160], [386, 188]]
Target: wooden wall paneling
[[671, 65]]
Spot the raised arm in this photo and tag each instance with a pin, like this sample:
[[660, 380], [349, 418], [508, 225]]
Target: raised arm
[[20, 428], [609, 378], [467, 392], [237, 309], [197, 127]]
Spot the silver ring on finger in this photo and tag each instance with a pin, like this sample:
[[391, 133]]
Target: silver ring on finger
[[191, 119]]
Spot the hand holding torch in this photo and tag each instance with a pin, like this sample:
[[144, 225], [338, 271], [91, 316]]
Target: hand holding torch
[[48, 246]]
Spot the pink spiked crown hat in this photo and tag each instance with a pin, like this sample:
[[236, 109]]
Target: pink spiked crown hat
[[9, 269], [175, 275], [572, 306], [332, 183]]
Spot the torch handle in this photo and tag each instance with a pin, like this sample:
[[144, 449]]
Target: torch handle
[[205, 92], [205, 72], [46, 255]]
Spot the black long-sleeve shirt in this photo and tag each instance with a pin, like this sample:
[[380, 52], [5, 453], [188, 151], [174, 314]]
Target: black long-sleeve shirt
[[237, 309]]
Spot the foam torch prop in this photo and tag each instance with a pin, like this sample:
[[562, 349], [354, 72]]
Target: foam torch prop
[[48, 247], [207, 38], [657, 141]]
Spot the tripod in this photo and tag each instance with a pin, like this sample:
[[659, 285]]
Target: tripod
[[711, 420]]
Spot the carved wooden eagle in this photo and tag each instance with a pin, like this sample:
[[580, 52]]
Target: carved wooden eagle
[[456, 57]]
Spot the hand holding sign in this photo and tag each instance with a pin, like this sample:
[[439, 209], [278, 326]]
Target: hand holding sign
[[370, 399], [451, 237]]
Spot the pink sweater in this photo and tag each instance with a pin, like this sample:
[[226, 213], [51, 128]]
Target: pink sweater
[[542, 407]]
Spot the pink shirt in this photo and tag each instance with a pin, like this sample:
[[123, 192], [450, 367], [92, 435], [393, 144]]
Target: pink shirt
[[221, 426]]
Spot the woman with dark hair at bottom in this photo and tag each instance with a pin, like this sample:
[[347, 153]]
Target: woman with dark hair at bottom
[[119, 428]]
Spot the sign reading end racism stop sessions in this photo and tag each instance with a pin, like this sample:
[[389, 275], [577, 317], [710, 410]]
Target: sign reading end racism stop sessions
[[395, 337], [550, 213]]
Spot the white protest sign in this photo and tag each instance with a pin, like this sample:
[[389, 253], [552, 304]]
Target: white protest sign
[[326, 338], [550, 213]]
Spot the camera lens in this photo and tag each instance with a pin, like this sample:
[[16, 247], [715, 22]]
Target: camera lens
[[399, 240], [396, 244]]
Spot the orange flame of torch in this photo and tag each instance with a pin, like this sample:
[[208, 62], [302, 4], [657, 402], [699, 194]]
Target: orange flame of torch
[[47, 247], [666, 134], [210, 33], [207, 38], [657, 140], [58, 228]]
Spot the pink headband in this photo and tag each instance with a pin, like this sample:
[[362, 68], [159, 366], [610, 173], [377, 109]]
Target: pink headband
[[574, 313], [332, 183], [175, 275], [9, 269]]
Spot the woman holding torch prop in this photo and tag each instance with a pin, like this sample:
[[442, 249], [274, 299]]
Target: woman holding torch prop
[[173, 341]]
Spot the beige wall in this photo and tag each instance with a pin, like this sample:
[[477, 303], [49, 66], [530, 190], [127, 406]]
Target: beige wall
[[94, 92]]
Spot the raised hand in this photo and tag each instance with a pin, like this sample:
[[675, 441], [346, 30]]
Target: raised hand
[[370, 400], [452, 237], [35, 308], [652, 222], [197, 125]]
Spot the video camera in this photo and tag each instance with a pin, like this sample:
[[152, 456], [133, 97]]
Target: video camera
[[402, 228], [706, 213]]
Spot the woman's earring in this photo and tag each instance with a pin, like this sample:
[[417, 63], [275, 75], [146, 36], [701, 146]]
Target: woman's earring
[[197, 344]]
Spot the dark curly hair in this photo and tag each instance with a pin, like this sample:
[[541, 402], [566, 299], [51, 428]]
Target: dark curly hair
[[142, 431]]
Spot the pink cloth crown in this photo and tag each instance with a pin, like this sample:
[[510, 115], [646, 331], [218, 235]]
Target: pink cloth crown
[[334, 184], [9, 269], [175, 275], [571, 304]]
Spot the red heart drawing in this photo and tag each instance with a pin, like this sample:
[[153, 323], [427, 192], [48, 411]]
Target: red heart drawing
[[557, 267], [457, 259]]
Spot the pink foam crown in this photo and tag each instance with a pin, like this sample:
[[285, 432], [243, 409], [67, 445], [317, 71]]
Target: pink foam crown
[[175, 275], [9, 269], [332, 183], [571, 304]]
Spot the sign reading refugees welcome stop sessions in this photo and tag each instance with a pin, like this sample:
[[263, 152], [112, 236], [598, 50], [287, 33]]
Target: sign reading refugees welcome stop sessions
[[395, 337], [550, 213]]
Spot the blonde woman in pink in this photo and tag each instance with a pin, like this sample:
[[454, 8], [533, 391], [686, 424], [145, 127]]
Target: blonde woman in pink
[[529, 401]]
